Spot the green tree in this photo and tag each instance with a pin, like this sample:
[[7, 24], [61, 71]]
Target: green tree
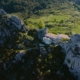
[[41, 24]]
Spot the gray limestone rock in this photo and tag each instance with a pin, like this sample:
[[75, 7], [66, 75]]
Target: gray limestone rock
[[9, 28], [72, 50], [41, 33], [16, 22]]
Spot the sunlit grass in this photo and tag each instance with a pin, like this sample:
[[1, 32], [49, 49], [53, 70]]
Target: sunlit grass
[[50, 18]]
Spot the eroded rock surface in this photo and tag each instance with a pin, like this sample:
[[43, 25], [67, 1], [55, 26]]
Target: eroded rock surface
[[9, 28], [72, 50]]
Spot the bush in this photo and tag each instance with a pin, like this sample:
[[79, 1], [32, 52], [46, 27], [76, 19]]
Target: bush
[[41, 24]]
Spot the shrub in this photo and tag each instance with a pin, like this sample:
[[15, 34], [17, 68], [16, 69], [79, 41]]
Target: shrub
[[41, 24]]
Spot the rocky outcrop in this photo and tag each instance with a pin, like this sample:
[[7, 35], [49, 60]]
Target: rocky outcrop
[[9, 28], [49, 38], [72, 50], [17, 23], [70, 46], [28, 55]]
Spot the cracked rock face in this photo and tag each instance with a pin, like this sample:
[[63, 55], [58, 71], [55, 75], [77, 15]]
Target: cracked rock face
[[72, 59], [9, 28]]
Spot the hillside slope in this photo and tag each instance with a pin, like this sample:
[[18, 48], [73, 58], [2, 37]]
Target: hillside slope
[[33, 6], [25, 57]]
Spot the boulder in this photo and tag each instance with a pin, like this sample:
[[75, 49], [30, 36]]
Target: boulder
[[47, 40], [16, 22], [72, 50]]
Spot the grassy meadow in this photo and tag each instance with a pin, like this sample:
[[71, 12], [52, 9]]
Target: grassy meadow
[[60, 23]]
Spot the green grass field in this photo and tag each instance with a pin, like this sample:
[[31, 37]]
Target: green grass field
[[58, 23], [50, 18]]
